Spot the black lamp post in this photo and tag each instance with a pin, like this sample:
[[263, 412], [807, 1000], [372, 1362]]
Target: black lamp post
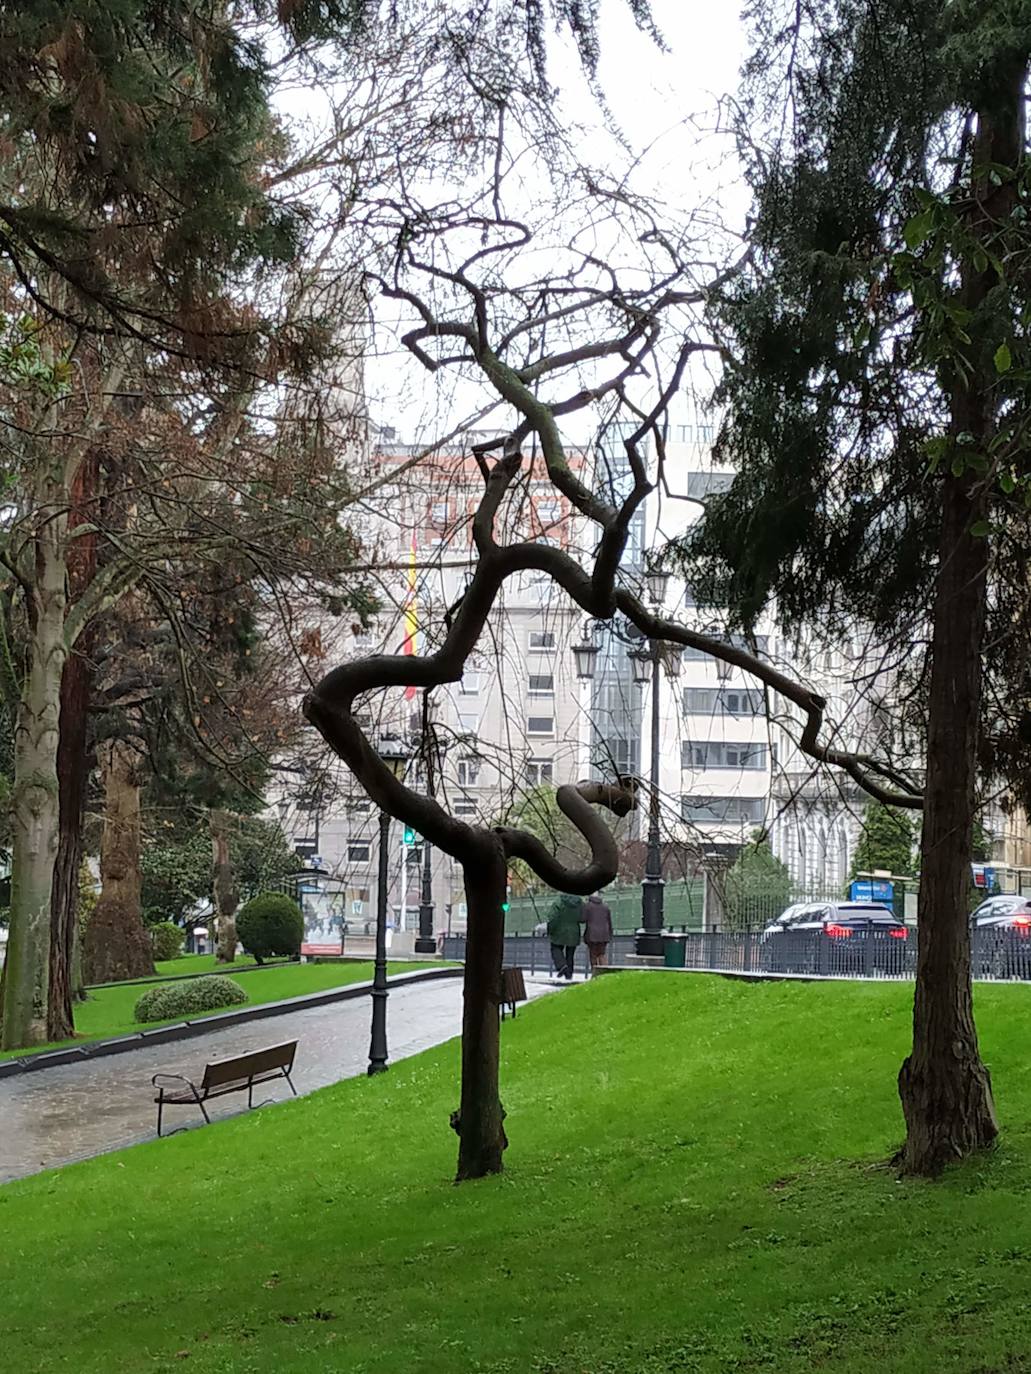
[[426, 941], [646, 659], [394, 754]]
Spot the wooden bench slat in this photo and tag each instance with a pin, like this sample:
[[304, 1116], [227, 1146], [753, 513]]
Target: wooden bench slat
[[244, 1066]]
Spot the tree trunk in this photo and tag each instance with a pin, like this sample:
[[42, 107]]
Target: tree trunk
[[73, 773], [34, 797], [945, 1089], [479, 1122], [226, 895], [117, 944], [72, 766]]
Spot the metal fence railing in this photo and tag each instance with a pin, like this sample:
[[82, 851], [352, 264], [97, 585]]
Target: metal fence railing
[[865, 953]]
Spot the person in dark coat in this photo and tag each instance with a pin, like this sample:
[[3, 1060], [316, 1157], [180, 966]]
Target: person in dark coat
[[597, 929], [564, 932]]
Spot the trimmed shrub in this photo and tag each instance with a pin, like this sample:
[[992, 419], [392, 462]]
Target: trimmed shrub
[[167, 939], [188, 998], [270, 924]]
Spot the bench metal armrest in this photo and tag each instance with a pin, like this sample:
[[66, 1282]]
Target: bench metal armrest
[[161, 1080]]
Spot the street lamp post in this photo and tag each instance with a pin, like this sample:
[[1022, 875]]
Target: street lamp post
[[394, 754], [646, 659], [649, 936], [426, 942]]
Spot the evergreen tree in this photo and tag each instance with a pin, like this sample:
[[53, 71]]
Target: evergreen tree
[[758, 886], [877, 397], [885, 841]]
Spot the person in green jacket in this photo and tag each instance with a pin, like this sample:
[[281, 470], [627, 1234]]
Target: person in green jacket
[[564, 920]]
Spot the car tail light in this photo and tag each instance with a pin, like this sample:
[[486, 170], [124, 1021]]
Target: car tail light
[[1022, 923], [899, 933], [838, 932]]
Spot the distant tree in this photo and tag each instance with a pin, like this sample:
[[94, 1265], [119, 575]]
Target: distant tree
[[537, 812], [758, 885], [886, 840]]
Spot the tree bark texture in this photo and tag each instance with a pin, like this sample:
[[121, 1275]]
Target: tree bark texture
[[945, 1089], [481, 1133], [72, 765], [117, 944], [226, 894], [34, 799]]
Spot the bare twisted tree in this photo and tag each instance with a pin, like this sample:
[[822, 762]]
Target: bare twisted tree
[[607, 330]]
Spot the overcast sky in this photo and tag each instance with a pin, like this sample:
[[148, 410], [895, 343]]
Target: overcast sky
[[666, 105]]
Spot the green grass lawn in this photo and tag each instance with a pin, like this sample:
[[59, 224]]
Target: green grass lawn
[[198, 963], [109, 1010], [694, 1184]]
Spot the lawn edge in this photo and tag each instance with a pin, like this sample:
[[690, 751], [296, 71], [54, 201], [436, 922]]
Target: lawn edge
[[184, 1030]]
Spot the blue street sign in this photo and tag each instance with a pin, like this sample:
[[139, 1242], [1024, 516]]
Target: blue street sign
[[872, 890]]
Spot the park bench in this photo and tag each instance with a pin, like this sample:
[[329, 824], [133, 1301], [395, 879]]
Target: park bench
[[240, 1074], [513, 989]]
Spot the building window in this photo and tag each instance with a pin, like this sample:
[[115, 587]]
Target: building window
[[537, 771], [438, 512], [540, 725], [722, 701], [705, 434], [469, 722], [723, 754], [725, 810], [470, 685], [465, 806], [542, 684], [468, 772], [358, 853], [702, 484], [542, 639], [549, 512], [684, 434]]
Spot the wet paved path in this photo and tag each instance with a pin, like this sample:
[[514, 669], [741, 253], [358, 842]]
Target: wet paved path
[[77, 1110]]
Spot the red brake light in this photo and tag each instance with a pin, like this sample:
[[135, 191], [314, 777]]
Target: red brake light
[[1022, 920], [899, 933], [838, 932]]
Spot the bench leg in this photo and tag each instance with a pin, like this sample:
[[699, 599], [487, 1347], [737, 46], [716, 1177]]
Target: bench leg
[[161, 1104], [200, 1104], [290, 1082]]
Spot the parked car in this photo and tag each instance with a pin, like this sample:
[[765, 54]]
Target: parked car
[[835, 938], [1010, 911], [1000, 930]]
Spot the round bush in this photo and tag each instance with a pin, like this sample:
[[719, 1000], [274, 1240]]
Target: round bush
[[188, 998], [270, 924], [167, 939]]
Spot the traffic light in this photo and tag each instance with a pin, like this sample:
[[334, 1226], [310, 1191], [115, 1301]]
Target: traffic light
[[409, 835]]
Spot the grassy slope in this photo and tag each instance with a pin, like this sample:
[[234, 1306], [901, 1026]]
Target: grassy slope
[[692, 1185], [109, 1010]]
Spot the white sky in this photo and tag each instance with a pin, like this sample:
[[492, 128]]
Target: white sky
[[666, 107]]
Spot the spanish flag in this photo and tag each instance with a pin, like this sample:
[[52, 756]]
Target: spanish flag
[[411, 617]]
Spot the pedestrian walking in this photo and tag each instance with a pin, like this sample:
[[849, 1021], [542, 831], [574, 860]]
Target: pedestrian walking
[[564, 933], [597, 930]]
